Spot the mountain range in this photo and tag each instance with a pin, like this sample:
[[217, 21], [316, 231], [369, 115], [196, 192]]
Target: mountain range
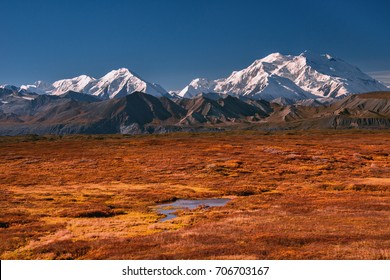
[[276, 92], [114, 84], [306, 76], [139, 113]]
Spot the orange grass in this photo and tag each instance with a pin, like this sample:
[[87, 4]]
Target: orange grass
[[295, 195]]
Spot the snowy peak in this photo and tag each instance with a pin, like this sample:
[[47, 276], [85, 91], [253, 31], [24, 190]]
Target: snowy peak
[[119, 74], [77, 84], [275, 58], [196, 87], [327, 76], [307, 75], [121, 82], [116, 83]]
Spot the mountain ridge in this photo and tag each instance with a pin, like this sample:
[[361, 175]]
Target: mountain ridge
[[140, 113], [293, 77], [114, 84], [276, 76], [275, 92]]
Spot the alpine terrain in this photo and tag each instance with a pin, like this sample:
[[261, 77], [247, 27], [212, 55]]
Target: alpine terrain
[[306, 76], [276, 92], [116, 83]]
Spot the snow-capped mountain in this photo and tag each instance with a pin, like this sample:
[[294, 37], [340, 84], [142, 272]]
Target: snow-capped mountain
[[294, 77], [121, 82], [39, 87], [199, 85], [116, 83], [78, 84], [306, 76]]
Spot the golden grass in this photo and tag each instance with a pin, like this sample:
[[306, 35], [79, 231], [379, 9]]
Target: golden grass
[[295, 195]]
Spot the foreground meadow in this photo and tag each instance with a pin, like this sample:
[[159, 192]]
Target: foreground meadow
[[295, 195]]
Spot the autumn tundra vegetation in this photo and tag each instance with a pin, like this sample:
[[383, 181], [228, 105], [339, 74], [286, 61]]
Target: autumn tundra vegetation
[[293, 195]]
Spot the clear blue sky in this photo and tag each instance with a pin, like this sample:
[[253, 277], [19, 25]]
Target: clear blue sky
[[171, 41]]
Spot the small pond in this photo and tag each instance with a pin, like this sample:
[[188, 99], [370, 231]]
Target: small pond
[[168, 209]]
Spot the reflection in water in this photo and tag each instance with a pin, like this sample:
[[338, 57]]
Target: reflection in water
[[169, 208]]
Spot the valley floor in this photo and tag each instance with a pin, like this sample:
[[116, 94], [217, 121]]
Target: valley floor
[[294, 195]]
